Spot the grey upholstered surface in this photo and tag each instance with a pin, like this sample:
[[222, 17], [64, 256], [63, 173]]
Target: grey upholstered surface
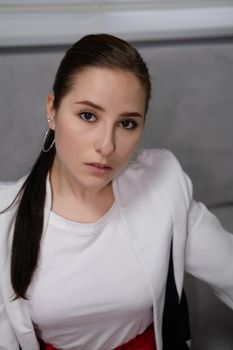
[[190, 113]]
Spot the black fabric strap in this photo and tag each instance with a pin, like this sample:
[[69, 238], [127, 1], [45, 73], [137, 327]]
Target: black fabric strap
[[176, 327]]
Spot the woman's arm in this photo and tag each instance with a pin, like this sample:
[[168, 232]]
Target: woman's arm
[[209, 251]]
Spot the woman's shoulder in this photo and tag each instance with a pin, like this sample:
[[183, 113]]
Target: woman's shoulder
[[158, 158], [9, 190], [10, 185], [165, 169]]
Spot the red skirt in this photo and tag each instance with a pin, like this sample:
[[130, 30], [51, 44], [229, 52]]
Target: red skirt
[[144, 341]]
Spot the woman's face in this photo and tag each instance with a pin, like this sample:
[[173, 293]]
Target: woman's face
[[98, 125]]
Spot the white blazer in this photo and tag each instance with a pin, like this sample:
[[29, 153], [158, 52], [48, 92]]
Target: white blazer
[[154, 196]]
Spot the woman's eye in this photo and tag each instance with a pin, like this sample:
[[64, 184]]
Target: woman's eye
[[88, 116], [128, 124]]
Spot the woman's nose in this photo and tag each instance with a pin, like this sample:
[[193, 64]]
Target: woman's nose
[[105, 143]]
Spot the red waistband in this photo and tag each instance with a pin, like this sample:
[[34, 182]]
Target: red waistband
[[144, 341]]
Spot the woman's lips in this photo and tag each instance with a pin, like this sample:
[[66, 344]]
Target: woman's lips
[[98, 168]]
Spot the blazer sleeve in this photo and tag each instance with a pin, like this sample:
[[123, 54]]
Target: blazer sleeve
[[8, 340], [209, 251]]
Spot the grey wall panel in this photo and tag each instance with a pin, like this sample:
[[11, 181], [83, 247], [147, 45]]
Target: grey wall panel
[[190, 113], [25, 80]]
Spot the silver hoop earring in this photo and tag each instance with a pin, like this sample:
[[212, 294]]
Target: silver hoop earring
[[46, 139]]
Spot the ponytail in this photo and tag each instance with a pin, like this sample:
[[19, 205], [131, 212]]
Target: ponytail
[[29, 225]]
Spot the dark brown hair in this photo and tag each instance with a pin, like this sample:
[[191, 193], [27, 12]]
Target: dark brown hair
[[100, 50]]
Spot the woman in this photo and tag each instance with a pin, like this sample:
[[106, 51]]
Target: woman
[[95, 240]]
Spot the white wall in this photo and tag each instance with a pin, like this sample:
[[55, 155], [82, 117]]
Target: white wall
[[58, 22]]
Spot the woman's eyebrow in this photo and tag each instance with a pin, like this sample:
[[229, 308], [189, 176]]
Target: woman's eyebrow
[[94, 105], [132, 114], [91, 104]]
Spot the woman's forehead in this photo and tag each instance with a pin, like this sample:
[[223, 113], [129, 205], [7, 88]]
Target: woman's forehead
[[106, 83]]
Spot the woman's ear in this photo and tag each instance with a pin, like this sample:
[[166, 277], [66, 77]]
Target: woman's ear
[[50, 111]]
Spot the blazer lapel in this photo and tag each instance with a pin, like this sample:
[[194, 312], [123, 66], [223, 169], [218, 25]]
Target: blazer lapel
[[153, 212], [149, 226]]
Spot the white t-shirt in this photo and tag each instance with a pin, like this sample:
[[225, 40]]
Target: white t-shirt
[[88, 291]]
